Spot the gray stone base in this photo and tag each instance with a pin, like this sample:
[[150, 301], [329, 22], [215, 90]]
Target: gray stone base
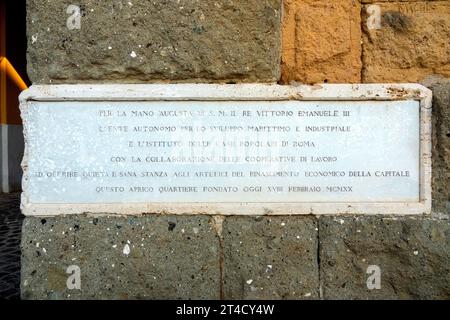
[[412, 254], [201, 257], [270, 258], [170, 257], [151, 257]]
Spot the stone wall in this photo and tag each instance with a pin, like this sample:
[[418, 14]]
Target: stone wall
[[206, 257]]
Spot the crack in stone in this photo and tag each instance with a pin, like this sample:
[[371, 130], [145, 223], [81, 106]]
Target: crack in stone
[[217, 222], [318, 260]]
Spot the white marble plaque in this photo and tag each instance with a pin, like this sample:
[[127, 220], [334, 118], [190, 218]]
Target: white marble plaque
[[226, 149]]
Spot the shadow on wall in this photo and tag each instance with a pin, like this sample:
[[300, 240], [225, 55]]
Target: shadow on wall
[[10, 235]]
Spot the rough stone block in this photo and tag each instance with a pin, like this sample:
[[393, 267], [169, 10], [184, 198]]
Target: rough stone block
[[412, 255], [270, 258], [321, 41], [420, 2], [145, 257], [409, 43], [441, 146], [141, 41]]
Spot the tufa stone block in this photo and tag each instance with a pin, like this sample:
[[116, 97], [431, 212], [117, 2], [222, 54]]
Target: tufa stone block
[[409, 43], [139, 257], [141, 41], [441, 146], [270, 258], [412, 256], [321, 41]]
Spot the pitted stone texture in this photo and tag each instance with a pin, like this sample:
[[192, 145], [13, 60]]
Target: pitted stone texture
[[412, 254], [441, 146], [419, 3], [411, 44], [270, 258], [140, 257], [321, 41], [141, 41]]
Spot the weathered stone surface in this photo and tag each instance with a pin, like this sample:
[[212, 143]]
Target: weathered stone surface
[[411, 43], [147, 257], [140, 41], [412, 254], [321, 41], [419, 3], [270, 258], [441, 145]]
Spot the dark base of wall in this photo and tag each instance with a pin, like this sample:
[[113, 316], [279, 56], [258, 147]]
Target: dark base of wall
[[200, 257]]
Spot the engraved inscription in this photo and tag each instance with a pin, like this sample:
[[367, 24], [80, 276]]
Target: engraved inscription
[[227, 151]]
